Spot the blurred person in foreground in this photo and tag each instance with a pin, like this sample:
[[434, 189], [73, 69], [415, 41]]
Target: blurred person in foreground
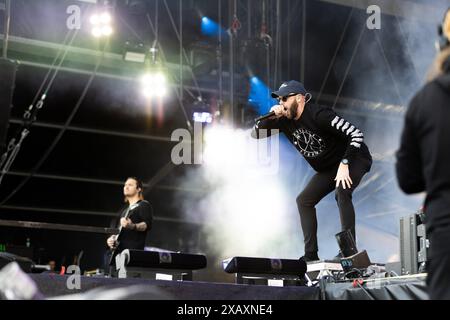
[[423, 162]]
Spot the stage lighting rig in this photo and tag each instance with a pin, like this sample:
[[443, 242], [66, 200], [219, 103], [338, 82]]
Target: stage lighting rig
[[101, 23], [134, 52], [154, 84], [201, 111]]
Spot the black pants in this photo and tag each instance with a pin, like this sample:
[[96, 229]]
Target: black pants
[[438, 278], [438, 265], [321, 184]]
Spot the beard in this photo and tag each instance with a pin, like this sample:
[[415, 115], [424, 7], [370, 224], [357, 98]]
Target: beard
[[129, 193], [293, 110]]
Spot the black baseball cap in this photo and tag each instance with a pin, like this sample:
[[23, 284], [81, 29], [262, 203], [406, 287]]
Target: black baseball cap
[[289, 87]]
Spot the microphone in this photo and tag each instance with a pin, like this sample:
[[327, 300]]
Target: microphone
[[265, 116], [308, 97]]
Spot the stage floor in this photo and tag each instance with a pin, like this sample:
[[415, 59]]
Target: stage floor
[[394, 288], [53, 285]]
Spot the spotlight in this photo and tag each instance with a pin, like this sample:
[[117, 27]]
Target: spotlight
[[101, 24], [154, 85], [95, 19], [203, 117], [105, 18], [211, 28], [96, 32], [201, 111], [107, 31], [259, 95]]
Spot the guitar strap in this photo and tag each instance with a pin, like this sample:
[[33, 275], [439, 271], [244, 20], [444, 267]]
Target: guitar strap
[[126, 215]]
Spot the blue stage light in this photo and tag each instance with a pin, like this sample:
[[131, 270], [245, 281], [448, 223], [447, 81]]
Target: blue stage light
[[211, 28], [259, 95]]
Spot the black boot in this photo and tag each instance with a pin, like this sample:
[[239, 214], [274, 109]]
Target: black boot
[[310, 256], [347, 244], [337, 258]]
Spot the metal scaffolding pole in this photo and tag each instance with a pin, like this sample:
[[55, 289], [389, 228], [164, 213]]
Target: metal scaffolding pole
[[102, 181], [231, 9], [86, 212], [181, 48], [99, 131], [303, 51], [220, 61], [7, 20]]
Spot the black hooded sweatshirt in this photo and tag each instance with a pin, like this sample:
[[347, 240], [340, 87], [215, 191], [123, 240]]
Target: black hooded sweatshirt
[[423, 160]]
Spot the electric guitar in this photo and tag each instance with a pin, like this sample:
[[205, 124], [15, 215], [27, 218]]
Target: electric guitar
[[114, 250]]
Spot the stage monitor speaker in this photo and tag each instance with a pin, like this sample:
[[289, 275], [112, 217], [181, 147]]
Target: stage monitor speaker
[[414, 244], [359, 260], [408, 245], [265, 266], [7, 81], [163, 260]]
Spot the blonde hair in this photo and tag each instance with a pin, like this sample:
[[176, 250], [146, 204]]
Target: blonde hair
[[446, 25], [437, 68]]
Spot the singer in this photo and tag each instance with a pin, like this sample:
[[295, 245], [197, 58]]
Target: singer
[[333, 147]]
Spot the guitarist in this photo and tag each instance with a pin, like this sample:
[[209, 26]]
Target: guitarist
[[136, 220]]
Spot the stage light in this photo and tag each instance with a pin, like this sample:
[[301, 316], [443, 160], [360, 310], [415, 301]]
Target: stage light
[[154, 85], [211, 28], [101, 25], [96, 32], [134, 52], [105, 18], [107, 31], [95, 19], [203, 117], [134, 56], [259, 95], [201, 111]]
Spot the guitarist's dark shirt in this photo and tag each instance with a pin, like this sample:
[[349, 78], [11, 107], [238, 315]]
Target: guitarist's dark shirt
[[132, 239]]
